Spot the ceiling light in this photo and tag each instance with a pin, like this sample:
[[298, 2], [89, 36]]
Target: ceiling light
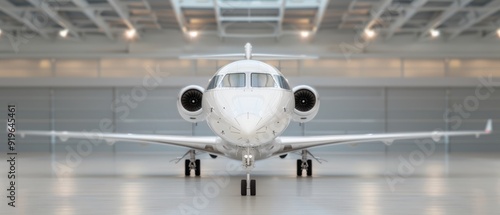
[[1, 32], [304, 34], [193, 34], [435, 33], [130, 33], [498, 32], [63, 33], [369, 33]]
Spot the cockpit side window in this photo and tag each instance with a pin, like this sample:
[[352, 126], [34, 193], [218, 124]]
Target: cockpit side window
[[262, 80], [233, 80], [213, 82], [282, 82]]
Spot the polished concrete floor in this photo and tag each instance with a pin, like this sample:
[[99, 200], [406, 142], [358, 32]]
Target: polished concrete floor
[[399, 183]]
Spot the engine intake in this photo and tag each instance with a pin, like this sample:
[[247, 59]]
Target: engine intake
[[306, 103], [305, 100], [191, 100], [189, 103]]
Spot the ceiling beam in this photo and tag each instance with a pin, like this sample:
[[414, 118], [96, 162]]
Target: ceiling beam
[[249, 19], [179, 16], [492, 33], [92, 15], [377, 13], [290, 4], [323, 4], [216, 7], [445, 15], [123, 12], [281, 16], [7, 8], [474, 18], [54, 15], [409, 12]]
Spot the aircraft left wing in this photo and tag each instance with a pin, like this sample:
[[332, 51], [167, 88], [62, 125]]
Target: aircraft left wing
[[206, 144], [298, 143]]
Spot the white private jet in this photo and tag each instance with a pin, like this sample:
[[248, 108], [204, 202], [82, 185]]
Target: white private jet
[[248, 104]]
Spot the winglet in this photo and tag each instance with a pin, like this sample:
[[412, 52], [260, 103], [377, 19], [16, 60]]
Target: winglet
[[489, 127]]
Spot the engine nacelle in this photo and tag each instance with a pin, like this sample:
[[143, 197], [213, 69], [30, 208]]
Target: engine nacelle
[[189, 104], [306, 103]]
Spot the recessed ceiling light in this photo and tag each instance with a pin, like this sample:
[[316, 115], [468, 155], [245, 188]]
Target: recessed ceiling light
[[1, 32], [435, 33], [370, 33], [130, 33], [193, 34], [63, 33], [304, 34], [498, 32]]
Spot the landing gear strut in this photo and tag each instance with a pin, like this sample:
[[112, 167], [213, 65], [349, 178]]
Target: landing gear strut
[[192, 164], [304, 164], [248, 184]]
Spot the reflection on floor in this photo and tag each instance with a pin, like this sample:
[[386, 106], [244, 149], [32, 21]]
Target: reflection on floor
[[346, 184]]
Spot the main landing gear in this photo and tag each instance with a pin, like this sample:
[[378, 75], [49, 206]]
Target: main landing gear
[[192, 164], [248, 184], [304, 164]]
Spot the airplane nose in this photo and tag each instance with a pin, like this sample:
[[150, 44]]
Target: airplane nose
[[248, 123]]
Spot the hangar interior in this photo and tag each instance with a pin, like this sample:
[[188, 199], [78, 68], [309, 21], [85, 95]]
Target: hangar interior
[[384, 66]]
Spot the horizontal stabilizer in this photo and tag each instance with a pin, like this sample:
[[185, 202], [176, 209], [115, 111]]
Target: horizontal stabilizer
[[214, 57], [255, 56], [249, 55]]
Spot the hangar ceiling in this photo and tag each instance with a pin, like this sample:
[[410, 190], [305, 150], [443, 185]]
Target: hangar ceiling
[[249, 19]]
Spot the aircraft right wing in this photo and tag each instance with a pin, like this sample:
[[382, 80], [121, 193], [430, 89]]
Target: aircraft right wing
[[206, 144], [303, 142]]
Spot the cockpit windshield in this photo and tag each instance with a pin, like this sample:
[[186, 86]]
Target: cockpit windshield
[[282, 82], [262, 80], [213, 82], [257, 80], [233, 80]]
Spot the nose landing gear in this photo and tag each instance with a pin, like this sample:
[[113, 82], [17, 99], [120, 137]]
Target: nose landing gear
[[248, 184]]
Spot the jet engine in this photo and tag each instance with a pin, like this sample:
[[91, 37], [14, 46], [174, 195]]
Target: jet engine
[[189, 103], [306, 103]]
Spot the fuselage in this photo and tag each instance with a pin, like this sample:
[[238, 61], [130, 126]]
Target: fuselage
[[248, 104]]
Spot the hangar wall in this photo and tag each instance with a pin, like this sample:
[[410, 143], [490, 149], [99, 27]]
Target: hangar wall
[[344, 109], [336, 67]]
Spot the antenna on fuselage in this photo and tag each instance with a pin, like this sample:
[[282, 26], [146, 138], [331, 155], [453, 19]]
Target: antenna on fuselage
[[248, 51]]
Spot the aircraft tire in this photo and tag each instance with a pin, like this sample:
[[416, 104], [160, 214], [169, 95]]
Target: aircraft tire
[[243, 187]]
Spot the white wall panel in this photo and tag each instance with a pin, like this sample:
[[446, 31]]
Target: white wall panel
[[331, 67], [423, 68], [24, 68], [126, 67], [77, 68], [474, 67]]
